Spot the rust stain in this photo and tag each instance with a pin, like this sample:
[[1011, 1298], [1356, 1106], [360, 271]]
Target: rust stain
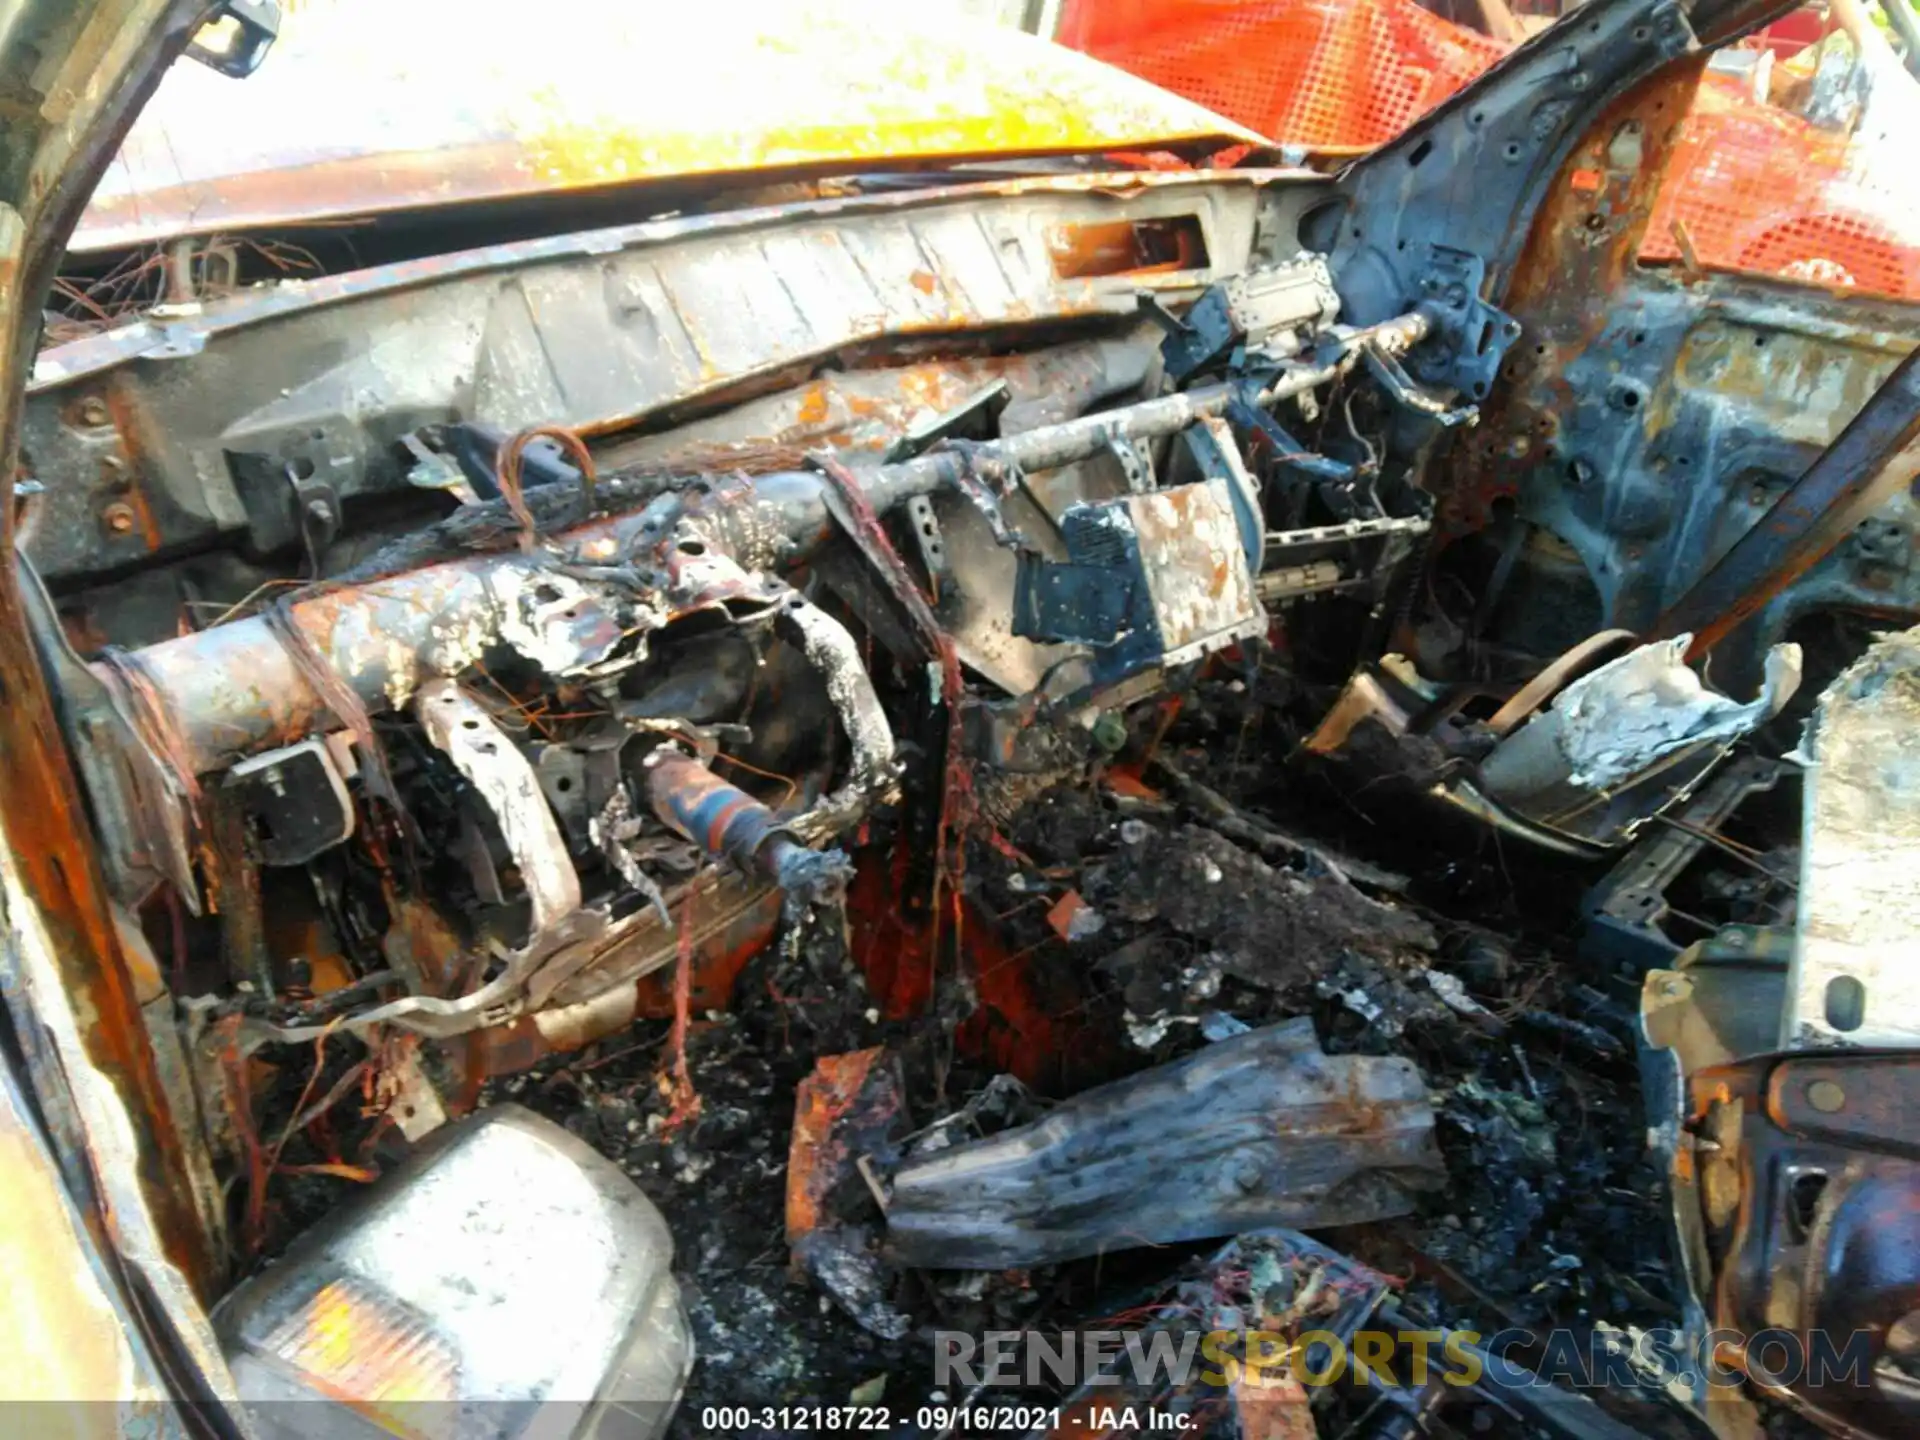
[[1159, 246], [815, 1162], [1579, 253], [50, 837], [815, 405], [126, 491]]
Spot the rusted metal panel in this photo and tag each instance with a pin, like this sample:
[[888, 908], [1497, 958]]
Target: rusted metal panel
[[1650, 417], [1874, 460], [595, 331], [1196, 569], [730, 919], [466, 100], [66, 96], [1856, 970], [870, 409], [820, 1157]]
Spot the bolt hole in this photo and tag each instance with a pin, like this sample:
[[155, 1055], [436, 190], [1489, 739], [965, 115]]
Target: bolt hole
[[469, 724], [563, 784], [1903, 1336], [691, 547], [1511, 150], [1804, 1193], [1846, 1003]]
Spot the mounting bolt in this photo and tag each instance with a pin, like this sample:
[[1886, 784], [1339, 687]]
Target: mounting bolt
[[93, 411], [1826, 1097], [118, 518]]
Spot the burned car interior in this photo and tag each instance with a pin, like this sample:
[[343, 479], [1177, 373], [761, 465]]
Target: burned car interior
[[1037, 725]]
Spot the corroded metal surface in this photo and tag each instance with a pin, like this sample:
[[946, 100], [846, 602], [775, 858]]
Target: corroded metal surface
[[844, 1103], [1856, 970], [235, 687], [1874, 459], [595, 331], [500, 774], [1649, 418], [364, 106], [65, 95], [1196, 569]]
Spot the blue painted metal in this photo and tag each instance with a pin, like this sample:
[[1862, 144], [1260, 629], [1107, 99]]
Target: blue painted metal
[[1872, 461]]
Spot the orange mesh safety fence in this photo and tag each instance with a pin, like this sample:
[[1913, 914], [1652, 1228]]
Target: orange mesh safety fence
[[1757, 188], [1753, 187], [1327, 74]]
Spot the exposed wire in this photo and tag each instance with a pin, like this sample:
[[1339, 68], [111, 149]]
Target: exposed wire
[[230, 611], [793, 786], [507, 465]]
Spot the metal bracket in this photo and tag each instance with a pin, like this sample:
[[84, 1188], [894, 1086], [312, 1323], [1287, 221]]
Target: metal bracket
[[316, 505], [1626, 912], [1136, 464], [459, 725], [237, 37], [1407, 392], [975, 418], [1301, 471], [295, 803], [1247, 312], [1469, 338], [985, 483], [925, 525]]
